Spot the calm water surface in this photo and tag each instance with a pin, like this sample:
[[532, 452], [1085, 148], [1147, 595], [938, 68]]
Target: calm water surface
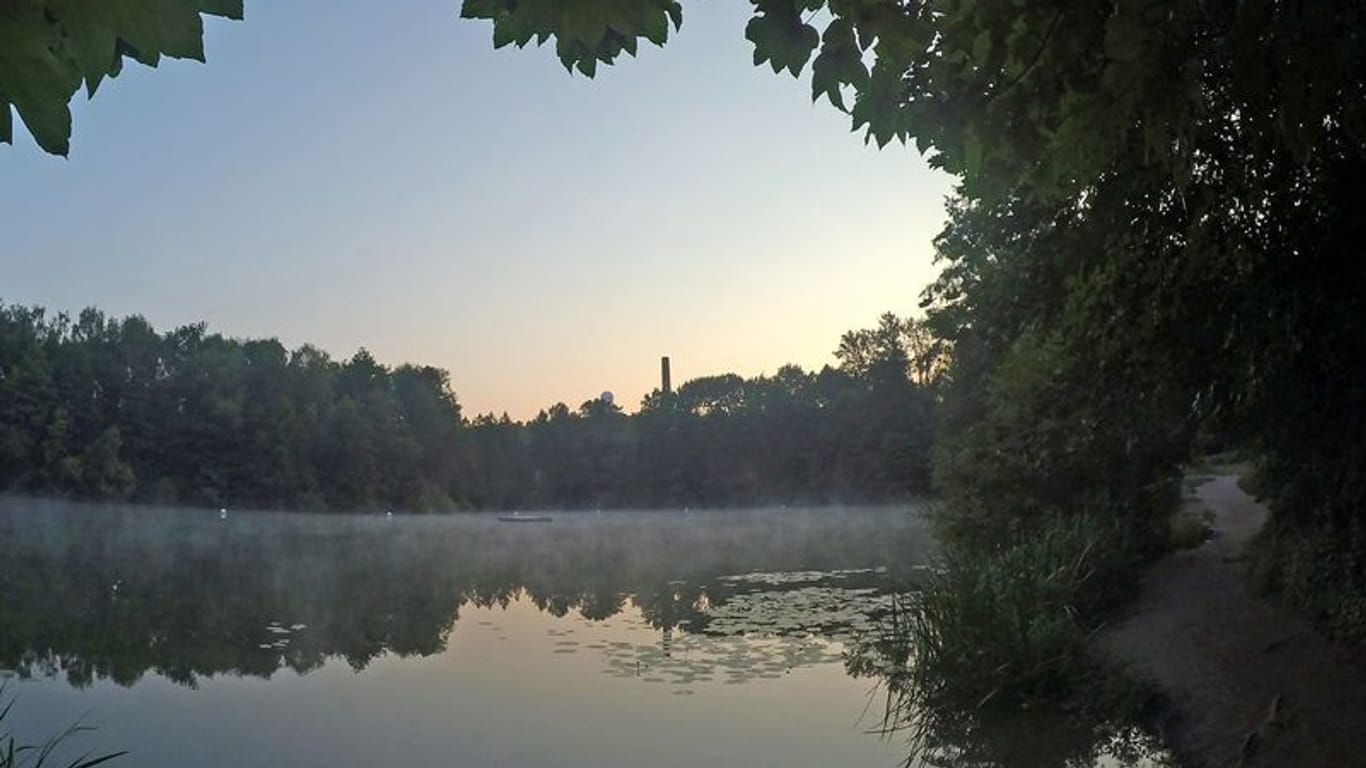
[[595, 639]]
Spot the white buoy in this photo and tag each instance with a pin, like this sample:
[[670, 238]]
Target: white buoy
[[389, 513], [222, 513]]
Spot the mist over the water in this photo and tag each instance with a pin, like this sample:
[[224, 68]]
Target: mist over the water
[[117, 591]]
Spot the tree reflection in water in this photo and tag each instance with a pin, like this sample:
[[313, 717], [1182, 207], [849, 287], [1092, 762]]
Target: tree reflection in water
[[112, 593]]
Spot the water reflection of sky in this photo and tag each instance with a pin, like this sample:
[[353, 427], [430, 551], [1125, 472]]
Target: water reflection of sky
[[515, 686]]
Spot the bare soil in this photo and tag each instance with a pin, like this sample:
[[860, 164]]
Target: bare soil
[[1249, 683]]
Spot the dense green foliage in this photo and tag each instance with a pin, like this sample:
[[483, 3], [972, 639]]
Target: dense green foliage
[[112, 410], [1053, 409], [1096, 335]]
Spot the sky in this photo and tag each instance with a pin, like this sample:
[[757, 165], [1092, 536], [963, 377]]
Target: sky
[[379, 176]]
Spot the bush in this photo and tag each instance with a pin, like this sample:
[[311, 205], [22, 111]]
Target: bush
[[1313, 572], [1046, 436]]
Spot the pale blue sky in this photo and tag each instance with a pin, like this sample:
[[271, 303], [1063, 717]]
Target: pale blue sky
[[377, 175]]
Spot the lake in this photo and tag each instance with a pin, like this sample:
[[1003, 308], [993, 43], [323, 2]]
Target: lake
[[602, 639]]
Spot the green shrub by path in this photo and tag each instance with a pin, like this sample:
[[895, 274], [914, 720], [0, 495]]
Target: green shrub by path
[[16, 754], [1251, 483], [1317, 575]]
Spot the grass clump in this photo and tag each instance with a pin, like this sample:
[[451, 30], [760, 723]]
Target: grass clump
[[1188, 531], [1189, 526], [992, 632], [1010, 625], [16, 754]]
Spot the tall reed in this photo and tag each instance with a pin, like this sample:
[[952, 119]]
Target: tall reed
[[16, 754]]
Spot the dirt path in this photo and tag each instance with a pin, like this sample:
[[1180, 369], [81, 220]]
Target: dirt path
[[1251, 684]]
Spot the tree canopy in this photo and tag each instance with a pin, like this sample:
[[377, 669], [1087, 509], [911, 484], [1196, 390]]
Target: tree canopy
[[109, 409]]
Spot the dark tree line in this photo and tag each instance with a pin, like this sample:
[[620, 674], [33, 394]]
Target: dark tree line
[[858, 432], [110, 409]]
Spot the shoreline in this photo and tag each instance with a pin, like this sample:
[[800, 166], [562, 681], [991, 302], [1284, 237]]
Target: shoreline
[[918, 502], [1249, 682]]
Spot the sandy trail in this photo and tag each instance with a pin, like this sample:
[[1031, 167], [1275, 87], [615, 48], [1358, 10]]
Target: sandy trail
[[1252, 684]]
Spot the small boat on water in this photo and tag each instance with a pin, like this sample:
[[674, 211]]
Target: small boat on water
[[518, 517]]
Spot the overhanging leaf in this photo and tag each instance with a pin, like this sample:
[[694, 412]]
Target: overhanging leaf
[[780, 37], [228, 9], [34, 75], [48, 47], [6, 123], [839, 64]]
